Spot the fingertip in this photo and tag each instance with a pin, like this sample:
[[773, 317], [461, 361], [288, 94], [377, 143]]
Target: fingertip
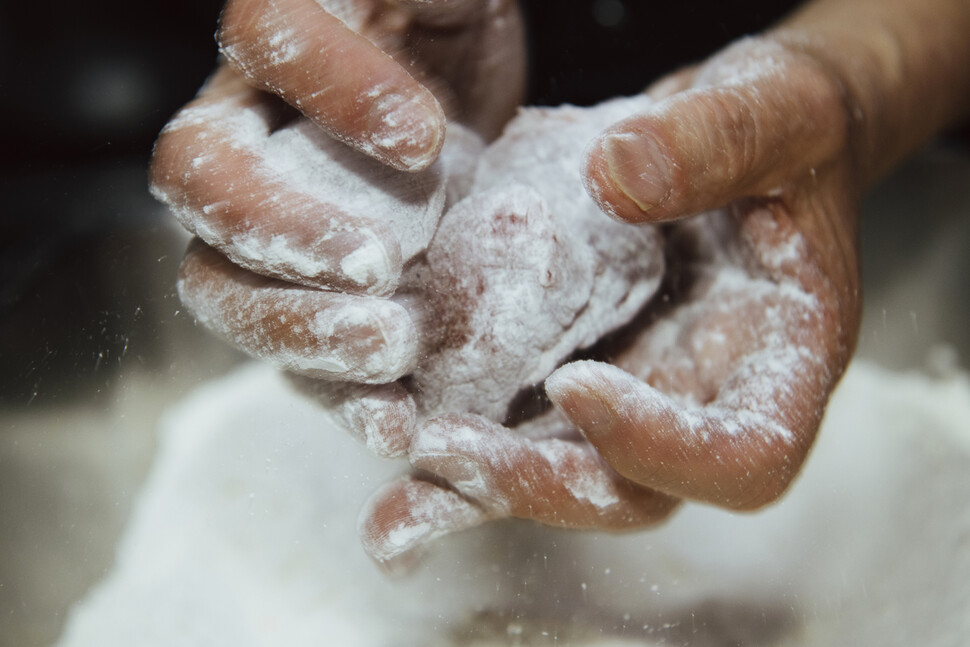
[[626, 175], [403, 516], [324, 67], [610, 407], [589, 376], [572, 390], [461, 449], [405, 129], [600, 399]]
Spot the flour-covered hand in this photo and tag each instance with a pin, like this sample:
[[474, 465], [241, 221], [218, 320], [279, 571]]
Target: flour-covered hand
[[716, 391], [377, 76], [723, 396], [713, 393], [279, 197]]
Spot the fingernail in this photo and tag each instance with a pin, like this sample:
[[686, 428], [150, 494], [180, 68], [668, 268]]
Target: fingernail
[[406, 130], [587, 410], [638, 167]]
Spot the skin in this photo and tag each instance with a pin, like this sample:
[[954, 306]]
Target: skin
[[784, 133], [414, 62], [800, 121]]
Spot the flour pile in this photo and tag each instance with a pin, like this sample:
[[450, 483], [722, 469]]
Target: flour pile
[[244, 536]]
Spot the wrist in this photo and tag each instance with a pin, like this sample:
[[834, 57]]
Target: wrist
[[901, 65]]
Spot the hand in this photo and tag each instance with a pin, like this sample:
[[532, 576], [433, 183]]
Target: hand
[[764, 128], [376, 73], [279, 197], [211, 165], [520, 274], [716, 392]]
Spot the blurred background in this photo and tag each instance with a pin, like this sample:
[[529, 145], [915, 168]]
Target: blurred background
[[93, 345]]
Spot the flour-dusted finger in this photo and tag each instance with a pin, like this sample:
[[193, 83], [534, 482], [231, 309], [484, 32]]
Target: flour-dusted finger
[[381, 416], [404, 515], [320, 334], [312, 55], [555, 481], [731, 135], [290, 202]]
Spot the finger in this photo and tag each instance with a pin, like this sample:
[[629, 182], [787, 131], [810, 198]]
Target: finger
[[208, 167], [740, 451], [335, 76], [295, 205], [748, 134], [320, 334], [404, 515], [553, 481], [382, 417]]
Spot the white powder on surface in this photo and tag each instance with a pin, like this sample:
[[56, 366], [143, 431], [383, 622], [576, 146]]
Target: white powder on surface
[[404, 126], [352, 13], [869, 549], [284, 46]]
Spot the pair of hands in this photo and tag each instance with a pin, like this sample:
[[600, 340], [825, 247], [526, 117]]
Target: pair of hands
[[714, 392]]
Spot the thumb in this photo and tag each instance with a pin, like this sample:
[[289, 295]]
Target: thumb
[[702, 148]]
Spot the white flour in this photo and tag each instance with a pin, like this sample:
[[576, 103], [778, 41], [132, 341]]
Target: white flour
[[244, 537]]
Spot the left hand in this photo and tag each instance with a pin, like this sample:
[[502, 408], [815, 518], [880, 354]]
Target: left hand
[[718, 389]]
